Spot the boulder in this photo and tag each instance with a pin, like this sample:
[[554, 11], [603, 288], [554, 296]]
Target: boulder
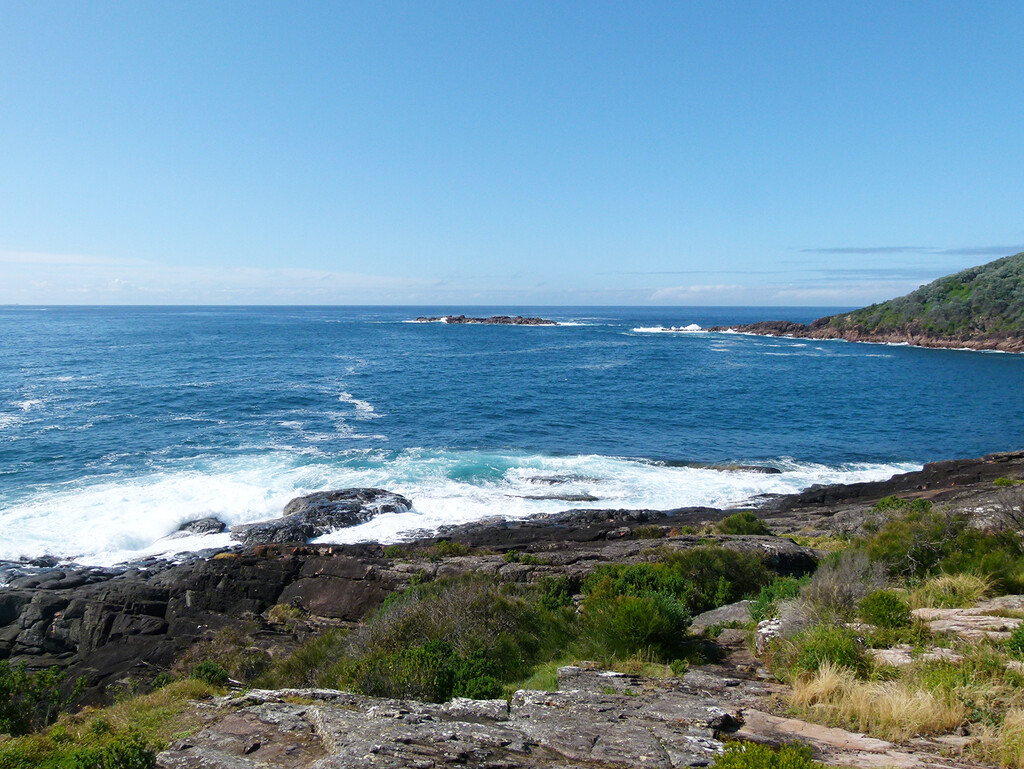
[[317, 514], [733, 612], [209, 525]]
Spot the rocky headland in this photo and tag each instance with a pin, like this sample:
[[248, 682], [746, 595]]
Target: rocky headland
[[981, 308], [112, 627], [493, 320]]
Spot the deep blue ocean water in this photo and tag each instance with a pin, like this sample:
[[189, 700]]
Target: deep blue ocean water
[[118, 424]]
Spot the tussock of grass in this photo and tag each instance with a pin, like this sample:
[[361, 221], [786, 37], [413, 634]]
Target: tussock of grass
[[950, 591], [890, 710], [1007, 744], [824, 542]]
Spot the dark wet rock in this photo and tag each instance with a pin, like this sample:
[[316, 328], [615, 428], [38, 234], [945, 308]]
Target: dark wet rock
[[557, 480], [562, 497], [45, 561], [494, 320], [209, 525], [317, 514], [729, 467]]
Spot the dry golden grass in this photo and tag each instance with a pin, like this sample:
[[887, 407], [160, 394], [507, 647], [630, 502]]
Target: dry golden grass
[[950, 591], [1002, 746], [890, 710]]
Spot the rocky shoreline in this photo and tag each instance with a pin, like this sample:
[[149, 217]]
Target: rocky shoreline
[[108, 623], [824, 329], [117, 626]]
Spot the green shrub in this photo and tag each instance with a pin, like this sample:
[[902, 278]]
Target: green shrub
[[885, 609], [807, 651], [766, 604], [432, 671], [162, 679], [749, 755], [555, 592], [679, 666], [210, 673], [649, 532], [894, 504], [393, 551], [841, 581], [445, 549], [314, 663], [456, 637], [125, 751], [30, 701], [1003, 482], [1015, 643], [716, 576], [742, 523], [625, 624]]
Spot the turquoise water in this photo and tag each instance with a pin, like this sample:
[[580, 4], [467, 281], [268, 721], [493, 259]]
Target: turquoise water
[[118, 424]]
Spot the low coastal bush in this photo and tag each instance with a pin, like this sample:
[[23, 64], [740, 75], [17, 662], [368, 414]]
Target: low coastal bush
[[749, 755], [950, 591], [918, 542], [742, 523], [123, 736], [885, 609], [31, 700], [841, 583], [455, 637], [474, 635], [231, 652], [819, 646], [210, 673], [766, 604]]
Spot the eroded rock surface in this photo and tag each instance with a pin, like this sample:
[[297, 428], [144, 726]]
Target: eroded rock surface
[[320, 513]]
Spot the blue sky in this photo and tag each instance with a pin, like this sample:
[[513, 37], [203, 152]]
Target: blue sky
[[789, 153]]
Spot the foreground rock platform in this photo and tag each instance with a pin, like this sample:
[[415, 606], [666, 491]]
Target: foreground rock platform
[[595, 718]]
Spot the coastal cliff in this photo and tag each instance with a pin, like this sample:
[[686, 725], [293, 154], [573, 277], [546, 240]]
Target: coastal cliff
[[981, 308]]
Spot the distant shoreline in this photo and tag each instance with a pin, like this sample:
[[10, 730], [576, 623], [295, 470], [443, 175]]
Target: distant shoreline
[[788, 329]]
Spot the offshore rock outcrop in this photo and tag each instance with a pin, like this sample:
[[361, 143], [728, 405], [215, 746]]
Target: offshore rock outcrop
[[493, 320]]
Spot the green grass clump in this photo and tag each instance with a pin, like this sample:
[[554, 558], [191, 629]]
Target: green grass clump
[[742, 523], [885, 609], [806, 652], [1015, 643], [950, 591], [210, 673], [123, 736], [780, 589], [749, 755]]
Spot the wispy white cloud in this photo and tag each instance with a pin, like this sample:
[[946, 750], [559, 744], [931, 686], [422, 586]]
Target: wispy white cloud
[[51, 258]]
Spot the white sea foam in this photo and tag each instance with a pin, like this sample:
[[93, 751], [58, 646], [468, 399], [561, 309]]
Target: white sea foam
[[693, 328], [364, 410], [105, 520]]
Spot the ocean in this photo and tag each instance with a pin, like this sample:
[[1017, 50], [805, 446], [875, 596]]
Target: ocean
[[118, 424]]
